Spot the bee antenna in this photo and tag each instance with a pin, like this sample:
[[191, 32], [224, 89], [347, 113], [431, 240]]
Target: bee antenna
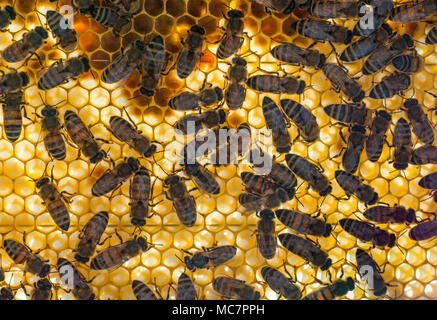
[[179, 259], [153, 156], [432, 94], [205, 24]]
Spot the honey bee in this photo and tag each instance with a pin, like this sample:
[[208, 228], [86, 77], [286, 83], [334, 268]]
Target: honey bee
[[55, 202], [424, 230], [186, 101], [111, 180], [130, 6], [256, 183], [337, 289], [270, 200], [367, 232], [352, 185], [153, 62], [129, 133], [303, 223], [225, 152], [111, 18], [6, 294], [60, 73], [183, 202], [43, 290], [186, 289], [7, 15], [403, 145], [233, 39], [235, 94], [377, 137], [431, 37], [210, 257], [284, 6], [28, 45], [424, 155], [191, 52], [13, 82], [251, 201], [266, 236], [202, 177], [310, 173], [332, 9], [421, 126], [66, 37], [390, 85], [366, 45], [384, 54], [414, 11], [355, 146], [82, 137], [142, 291], [83, 6], [322, 31], [139, 197], [292, 54], [341, 81], [306, 249], [125, 64], [13, 102], [276, 84], [234, 289], [275, 121], [209, 119], [22, 254], [81, 289], [364, 260], [351, 113], [90, 235], [279, 283], [114, 256], [305, 121], [408, 63], [51, 128], [384, 214]]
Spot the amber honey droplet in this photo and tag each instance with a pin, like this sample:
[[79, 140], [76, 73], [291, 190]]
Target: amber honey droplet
[[110, 42], [269, 26], [207, 62], [197, 8], [89, 41], [81, 23], [100, 60]]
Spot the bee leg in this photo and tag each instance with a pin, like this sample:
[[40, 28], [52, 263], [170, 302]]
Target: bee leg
[[66, 199], [24, 289], [102, 242], [193, 189], [119, 237], [339, 154]]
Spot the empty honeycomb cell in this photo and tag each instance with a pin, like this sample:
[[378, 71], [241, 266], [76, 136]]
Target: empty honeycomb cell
[[398, 187], [161, 275], [119, 277], [6, 150], [109, 292], [381, 186], [404, 272], [425, 273], [45, 223], [23, 186], [6, 186], [413, 289], [13, 204]]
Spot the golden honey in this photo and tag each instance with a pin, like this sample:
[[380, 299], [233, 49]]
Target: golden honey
[[410, 266]]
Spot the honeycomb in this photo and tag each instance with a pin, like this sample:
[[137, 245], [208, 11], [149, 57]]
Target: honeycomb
[[409, 267]]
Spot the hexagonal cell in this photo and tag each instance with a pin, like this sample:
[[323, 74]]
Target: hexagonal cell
[[143, 24], [89, 41], [164, 24], [154, 7]]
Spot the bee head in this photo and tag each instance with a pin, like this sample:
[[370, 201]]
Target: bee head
[[42, 32], [146, 92], [49, 111], [349, 36], [350, 283], [411, 216], [408, 40], [385, 115], [188, 263], [7, 293], [10, 10], [392, 241], [327, 264], [222, 116], [235, 14], [98, 157], [133, 163], [140, 45], [380, 292], [192, 169], [322, 61], [301, 87], [171, 179], [42, 182], [143, 243], [411, 103], [80, 258], [219, 93], [267, 214], [239, 61], [44, 284], [150, 151], [45, 271], [327, 230], [198, 29], [24, 78], [359, 97], [85, 63], [374, 199]]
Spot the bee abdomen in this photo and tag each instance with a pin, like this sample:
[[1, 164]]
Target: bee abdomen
[[55, 145], [59, 213], [431, 37], [12, 124], [15, 250], [142, 291], [50, 80]]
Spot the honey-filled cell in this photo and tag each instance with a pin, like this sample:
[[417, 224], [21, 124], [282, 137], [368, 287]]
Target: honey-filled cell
[[220, 219]]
